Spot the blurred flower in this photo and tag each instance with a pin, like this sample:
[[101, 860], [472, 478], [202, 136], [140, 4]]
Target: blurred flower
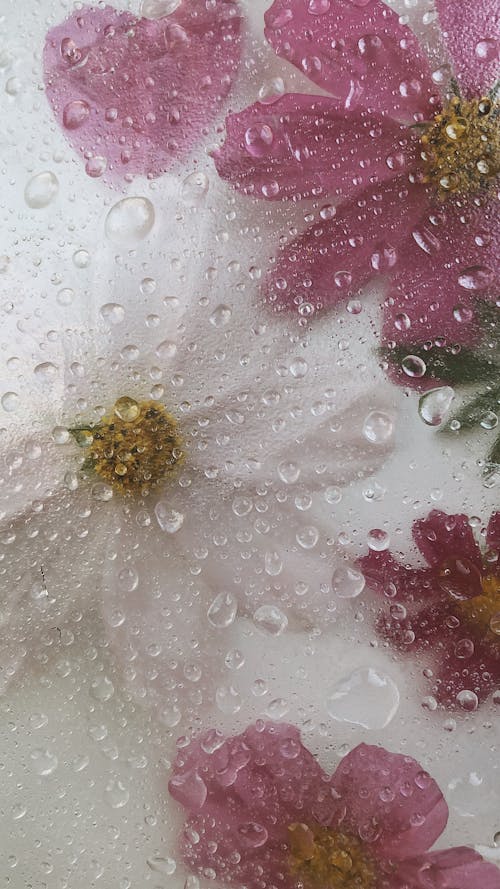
[[261, 812], [448, 612], [414, 173], [134, 95]]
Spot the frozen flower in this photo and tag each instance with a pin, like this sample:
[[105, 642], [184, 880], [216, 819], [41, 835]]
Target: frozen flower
[[164, 451], [132, 94], [447, 613], [261, 812], [413, 171]]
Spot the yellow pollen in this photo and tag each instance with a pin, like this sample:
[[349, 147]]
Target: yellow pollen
[[133, 448], [323, 858], [483, 612], [461, 147]]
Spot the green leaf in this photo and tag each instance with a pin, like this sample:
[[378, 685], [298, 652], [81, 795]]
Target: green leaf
[[464, 368], [472, 411]]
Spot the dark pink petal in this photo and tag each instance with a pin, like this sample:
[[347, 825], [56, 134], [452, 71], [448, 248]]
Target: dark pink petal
[[452, 264], [441, 537], [458, 868], [357, 51], [431, 627], [468, 672], [396, 581], [390, 802], [471, 30], [133, 95], [335, 257], [301, 145], [243, 792], [493, 534]]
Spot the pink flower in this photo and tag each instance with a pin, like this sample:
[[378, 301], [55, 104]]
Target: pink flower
[[413, 177], [262, 813], [448, 611], [132, 94]]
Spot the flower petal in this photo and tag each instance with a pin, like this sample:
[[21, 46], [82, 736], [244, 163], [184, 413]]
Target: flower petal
[[391, 578], [358, 52], [441, 536], [390, 802], [331, 260], [457, 868], [471, 33], [301, 145], [133, 95], [493, 534]]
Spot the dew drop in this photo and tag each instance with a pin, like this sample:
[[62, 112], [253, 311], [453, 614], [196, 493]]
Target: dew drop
[[41, 190], [378, 427], [44, 762], [102, 689], [116, 794], [157, 9], [477, 277], [271, 620], [112, 313], [221, 316], [366, 697], [129, 221], [10, 402], [347, 582], [413, 366], [194, 188], [75, 114], [165, 866], [435, 404], [223, 610], [486, 49], [168, 519], [46, 372], [126, 409]]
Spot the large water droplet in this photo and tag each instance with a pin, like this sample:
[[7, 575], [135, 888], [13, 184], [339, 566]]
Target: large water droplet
[[44, 762], [347, 582], [223, 610], [157, 9], [258, 140], [10, 402], [129, 221], [194, 188], [102, 689], [75, 114], [477, 277], [378, 427], [41, 190], [366, 697], [166, 866], [189, 790], [252, 835], [270, 619], [116, 794], [46, 372], [435, 404], [414, 366], [112, 313], [221, 316], [168, 519]]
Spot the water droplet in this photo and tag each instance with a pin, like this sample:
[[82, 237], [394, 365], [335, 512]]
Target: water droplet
[[95, 166], [189, 790], [75, 114], [223, 610], [221, 316], [127, 409], [10, 402], [166, 350], [112, 313], [41, 190], [318, 7], [168, 519], [157, 9], [347, 582], [378, 427], [489, 420], [468, 700], [102, 689], [270, 619], [81, 259], [378, 540], [486, 49], [477, 277], [166, 866], [288, 472], [129, 221], [298, 368], [46, 372], [366, 697], [44, 762], [435, 404], [194, 188], [252, 835], [414, 366], [307, 537], [258, 140], [273, 563], [228, 700], [116, 794]]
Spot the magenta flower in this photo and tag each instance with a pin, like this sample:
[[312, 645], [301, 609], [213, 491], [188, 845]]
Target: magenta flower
[[414, 173], [132, 94], [262, 814], [447, 614]]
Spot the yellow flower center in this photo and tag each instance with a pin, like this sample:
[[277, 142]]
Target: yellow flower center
[[483, 611], [328, 859], [133, 448], [461, 147]]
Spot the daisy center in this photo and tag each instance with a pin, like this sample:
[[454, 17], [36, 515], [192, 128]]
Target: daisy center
[[134, 447], [328, 859], [461, 146], [483, 611]]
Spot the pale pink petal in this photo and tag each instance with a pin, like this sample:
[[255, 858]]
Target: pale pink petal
[[303, 145], [359, 52], [442, 537], [471, 30], [458, 868], [390, 802], [493, 535], [133, 95], [335, 257], [452, 263]]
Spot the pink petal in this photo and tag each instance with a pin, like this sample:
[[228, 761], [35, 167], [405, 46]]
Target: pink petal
[[358, 51], [390, 802], [471, 31], [441, 537], [331, 260], [134, 95], [393, 579], [302, 145], [493, 534], [255, 785], [458, 868], [477, 673], [452, 262]]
